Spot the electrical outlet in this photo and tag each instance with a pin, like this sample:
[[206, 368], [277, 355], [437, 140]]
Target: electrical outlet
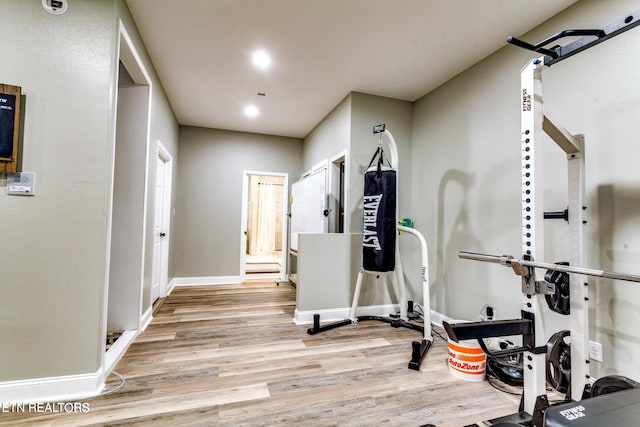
[[490, 312], [595, 351]]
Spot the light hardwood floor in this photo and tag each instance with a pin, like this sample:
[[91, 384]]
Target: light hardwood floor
[[231, 356]]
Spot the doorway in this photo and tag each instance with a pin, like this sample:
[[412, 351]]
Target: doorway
[[127, 224], [337, 194], [161, 224], [264, 225]]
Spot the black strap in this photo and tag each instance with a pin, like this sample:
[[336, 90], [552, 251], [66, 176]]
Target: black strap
[[381, 156], [374, 156]]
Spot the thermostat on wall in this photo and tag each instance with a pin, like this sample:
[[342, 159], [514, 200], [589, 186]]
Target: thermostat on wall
[[55, 7], [21, 184]]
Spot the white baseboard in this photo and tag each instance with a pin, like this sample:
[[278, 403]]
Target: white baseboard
[[117, 350], [263, 276], [172, 284], [335, 314], [147, 317], [53, 389], [437, 318], [204, 281]]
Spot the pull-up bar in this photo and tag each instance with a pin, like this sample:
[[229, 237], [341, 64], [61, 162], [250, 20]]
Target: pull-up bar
[[509, 261], [591, 37]]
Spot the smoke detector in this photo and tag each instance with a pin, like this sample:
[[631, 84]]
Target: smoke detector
[[55, 7]]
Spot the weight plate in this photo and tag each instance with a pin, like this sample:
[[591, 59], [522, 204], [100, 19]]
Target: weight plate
[[610, 384], [559, 300], [558, 360]]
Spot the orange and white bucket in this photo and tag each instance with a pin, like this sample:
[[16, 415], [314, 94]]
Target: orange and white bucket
[[467, 361]]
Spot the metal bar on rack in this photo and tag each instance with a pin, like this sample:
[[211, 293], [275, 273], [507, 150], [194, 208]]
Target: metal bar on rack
[[507, 260]]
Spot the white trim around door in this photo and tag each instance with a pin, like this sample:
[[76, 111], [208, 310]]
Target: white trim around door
[[244, 217]]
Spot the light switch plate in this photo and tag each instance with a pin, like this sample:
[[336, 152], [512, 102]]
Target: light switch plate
[[21, 184]]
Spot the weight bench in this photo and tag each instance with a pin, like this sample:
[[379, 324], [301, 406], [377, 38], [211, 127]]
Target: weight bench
[[619, 409]]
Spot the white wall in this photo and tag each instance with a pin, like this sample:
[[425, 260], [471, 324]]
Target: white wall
[[209, 193], [466, 193], [329, 138], [163, 129], [367, 111], [328, 266], [53, 255], [126, 248]]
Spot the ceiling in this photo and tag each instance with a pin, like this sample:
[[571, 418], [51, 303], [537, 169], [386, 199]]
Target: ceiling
[[321, 50]]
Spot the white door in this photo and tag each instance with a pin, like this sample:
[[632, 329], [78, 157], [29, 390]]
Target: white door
[[309, 196], [158, 234]]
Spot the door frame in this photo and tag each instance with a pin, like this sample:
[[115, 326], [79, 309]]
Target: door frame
[[131, 60], [244, 216], [164, 155], [333, 190]]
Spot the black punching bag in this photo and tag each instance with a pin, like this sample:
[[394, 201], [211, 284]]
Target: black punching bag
[[379, 238]]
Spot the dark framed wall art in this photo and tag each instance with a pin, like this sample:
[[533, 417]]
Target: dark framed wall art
[[9, 127]]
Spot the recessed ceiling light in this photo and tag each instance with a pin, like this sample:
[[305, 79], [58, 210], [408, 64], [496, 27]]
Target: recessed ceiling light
[[251, 111], [261, 59]]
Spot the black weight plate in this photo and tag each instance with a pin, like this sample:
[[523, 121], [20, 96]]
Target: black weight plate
[[611, 384], [558, 360], [558, 301]]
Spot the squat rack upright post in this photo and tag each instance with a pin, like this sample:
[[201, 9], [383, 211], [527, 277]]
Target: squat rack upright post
[[534, 124]]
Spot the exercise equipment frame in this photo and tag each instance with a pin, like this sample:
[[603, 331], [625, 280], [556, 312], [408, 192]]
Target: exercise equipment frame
[[534, 123], [419, 348]]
